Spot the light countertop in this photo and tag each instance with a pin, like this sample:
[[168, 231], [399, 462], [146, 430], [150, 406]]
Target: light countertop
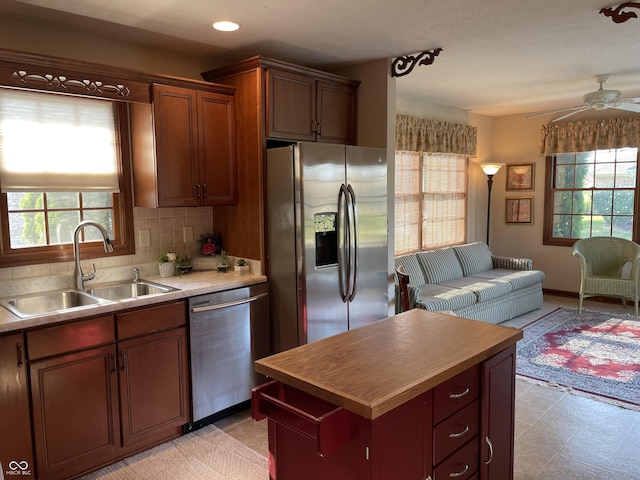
[[189, 285]]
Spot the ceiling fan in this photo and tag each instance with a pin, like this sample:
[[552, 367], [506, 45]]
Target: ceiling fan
[[601, 99]]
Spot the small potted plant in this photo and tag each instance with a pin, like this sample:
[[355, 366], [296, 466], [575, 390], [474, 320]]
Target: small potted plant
[[166, 264], [223, 266], [241, 267]]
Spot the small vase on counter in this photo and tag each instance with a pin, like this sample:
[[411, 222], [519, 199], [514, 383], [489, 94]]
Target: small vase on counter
[[167, 269], [166, 264]]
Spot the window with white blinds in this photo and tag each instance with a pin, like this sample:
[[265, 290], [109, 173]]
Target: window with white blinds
[[56, 143], [430, 201]]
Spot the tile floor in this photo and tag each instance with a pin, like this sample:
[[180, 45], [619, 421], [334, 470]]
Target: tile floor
[[558, 435]]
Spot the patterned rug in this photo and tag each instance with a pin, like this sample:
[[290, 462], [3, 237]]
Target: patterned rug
[[594, 352], [206, 454]]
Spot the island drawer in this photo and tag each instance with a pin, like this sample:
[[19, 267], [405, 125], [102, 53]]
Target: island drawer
[[455, 431], [461, 465], [455, 393], [328, 425]]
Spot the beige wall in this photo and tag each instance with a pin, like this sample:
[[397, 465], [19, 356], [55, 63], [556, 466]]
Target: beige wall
[[50, 39]]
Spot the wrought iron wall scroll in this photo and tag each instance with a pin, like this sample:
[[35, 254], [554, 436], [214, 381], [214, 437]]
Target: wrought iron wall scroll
[[618, 14], [404, 65]]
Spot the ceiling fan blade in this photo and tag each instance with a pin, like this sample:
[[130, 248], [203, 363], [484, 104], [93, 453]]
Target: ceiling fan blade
[[582, 109], [551, 112], [629, 107]]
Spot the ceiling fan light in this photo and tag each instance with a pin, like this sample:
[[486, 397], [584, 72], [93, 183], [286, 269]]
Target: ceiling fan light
[[226, 26]]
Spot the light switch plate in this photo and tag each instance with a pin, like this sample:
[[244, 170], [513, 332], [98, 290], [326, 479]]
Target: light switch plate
[[144, 238], [187, 233]]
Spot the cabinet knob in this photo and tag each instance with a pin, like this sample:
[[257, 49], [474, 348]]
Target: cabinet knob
[[204, 189]]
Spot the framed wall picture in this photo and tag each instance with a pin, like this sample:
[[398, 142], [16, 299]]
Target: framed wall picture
[[519, 210], [520, 177]]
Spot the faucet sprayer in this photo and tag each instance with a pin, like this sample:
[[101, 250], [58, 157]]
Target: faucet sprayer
[[78, 276]]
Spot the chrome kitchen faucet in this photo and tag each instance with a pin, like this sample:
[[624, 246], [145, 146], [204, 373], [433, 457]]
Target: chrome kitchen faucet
[[78, 276]]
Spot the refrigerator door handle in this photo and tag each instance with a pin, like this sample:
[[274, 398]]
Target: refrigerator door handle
[[344, 271], [353, 248]]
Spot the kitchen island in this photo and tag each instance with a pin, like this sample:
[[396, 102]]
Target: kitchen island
[[419, 395]]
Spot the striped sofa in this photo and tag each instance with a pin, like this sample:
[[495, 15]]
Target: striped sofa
[[471, 282]]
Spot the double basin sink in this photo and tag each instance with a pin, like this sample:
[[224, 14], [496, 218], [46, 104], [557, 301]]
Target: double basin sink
[[62, 301]]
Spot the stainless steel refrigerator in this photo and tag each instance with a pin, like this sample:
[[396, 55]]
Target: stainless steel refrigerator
[[327, 240]]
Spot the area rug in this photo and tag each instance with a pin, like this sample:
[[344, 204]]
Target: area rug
[[592, 352], [208, 454]]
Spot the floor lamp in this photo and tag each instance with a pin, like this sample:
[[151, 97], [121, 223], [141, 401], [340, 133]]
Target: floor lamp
[[490, 169]]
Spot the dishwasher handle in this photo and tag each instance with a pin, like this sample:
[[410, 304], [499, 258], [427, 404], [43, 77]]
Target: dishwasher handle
[[218, 306]]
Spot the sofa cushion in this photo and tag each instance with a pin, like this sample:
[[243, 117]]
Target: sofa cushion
[[412, 268], [474, 258], [439, 265], [483, 288], [517, 278], [436, 298]]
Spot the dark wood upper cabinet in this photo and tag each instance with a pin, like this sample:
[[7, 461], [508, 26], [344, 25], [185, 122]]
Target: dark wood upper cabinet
[[301, 104], [184, 148]]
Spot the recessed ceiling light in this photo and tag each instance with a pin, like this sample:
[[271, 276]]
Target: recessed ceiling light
[[226, 26]]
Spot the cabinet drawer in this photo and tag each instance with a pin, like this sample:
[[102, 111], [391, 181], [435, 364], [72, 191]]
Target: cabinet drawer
[[150, 320], [70, 337], [456, 393], [455, 431], [461, 464]]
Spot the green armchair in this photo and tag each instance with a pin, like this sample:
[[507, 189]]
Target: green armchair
[[609, 266]]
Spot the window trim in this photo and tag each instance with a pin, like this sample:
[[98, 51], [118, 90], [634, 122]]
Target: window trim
[[122, 212], [547, 235]]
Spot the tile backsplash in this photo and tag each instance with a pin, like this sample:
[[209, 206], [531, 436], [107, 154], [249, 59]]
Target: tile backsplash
[[165, 226]]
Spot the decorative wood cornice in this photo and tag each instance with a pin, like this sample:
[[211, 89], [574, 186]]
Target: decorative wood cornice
[[402, 66], [617, 13], [61, 83]]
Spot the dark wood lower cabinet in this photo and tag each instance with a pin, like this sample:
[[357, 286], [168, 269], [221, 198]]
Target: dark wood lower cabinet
[[76, 416], [153, 387], [16, 453], [97, 405], [498, 410]]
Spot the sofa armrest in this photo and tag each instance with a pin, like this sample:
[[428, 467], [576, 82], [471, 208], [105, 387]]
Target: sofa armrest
[[414, 297], [512, 263]]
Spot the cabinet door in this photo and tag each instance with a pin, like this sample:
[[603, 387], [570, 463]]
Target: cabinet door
[[336, 115], [216, 134], [16, 454], [175, 126], [75, 412], [291, 105], [402, 441], [498, 408], [153, 387]]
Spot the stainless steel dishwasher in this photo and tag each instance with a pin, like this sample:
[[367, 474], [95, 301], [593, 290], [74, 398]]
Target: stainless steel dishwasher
[[229, 330]]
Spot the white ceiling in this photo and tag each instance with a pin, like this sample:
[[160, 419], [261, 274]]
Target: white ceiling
[[499, 57]]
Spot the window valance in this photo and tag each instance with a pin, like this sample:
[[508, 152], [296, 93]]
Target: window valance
[[590, 135], [420, 135]]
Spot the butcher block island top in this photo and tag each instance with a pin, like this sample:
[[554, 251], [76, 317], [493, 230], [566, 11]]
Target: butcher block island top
[[376, 368]]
